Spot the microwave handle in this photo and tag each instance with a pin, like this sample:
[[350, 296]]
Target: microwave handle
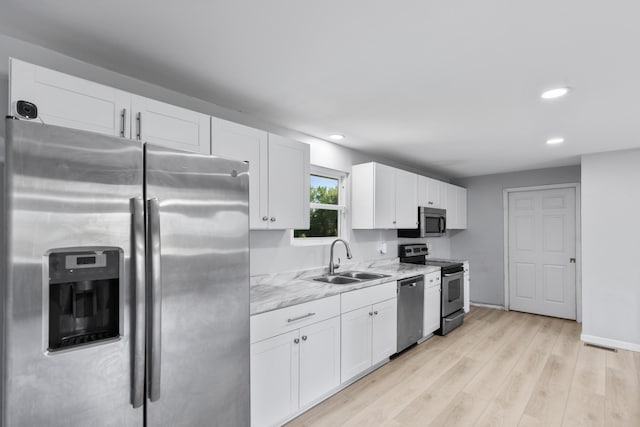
[[442, 224]]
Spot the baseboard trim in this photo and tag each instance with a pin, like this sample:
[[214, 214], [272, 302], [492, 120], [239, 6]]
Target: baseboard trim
[[494, 306], [606, 342]]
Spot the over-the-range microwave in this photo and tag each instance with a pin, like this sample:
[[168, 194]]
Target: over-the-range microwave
[[431, 223]]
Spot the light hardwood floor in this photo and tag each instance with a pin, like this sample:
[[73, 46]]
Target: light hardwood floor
[[498, 369]]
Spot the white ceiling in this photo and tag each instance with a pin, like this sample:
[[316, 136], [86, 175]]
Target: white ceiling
[[452, 86]]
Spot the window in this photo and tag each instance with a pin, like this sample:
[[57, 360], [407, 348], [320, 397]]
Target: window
[[327, 207]]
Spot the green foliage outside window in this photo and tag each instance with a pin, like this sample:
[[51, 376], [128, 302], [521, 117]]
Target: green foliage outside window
[[323, 222]]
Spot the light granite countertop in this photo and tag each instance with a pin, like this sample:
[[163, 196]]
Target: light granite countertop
[[273, 291]]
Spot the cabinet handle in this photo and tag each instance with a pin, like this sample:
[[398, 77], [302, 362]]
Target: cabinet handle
[[123, 122], [139, 126], [273, 219], [304, 338], [371, 313], [430, 203], [394, 222], [265, 218], [296, 340], [375, 313], [304, 316]]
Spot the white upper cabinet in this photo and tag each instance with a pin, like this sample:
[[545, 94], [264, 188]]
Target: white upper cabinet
[[234, 141], [279, 173], [289, 167], [68, 101], [456, 205], [383, 197], [406, 184], [72, 102], [170, 126], [431, 192]]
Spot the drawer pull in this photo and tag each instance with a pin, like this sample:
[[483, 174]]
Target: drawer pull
[[304, 316]]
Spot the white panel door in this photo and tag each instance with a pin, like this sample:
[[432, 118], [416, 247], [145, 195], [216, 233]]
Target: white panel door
[[406, 199], [384, 339], [289, 165], [68, 101], [319, 359], [170, 126], [384, 196], [238, 142], [355, 342], [274, 378], [431, 310], [542, 251]]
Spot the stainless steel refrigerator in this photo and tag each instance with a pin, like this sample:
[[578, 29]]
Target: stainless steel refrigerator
[[125, 294]]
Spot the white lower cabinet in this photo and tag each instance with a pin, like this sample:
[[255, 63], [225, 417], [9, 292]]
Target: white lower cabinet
[[467, 296], [319, 359], [369, 333], [294, 368], [432, 296], [356, 342], [274, 379]]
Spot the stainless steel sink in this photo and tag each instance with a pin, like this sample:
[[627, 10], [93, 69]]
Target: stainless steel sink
[[362, 275], [349, 277], [336, 280]]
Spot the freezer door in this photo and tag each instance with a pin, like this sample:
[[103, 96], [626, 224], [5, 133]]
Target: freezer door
[[67, 353], [198, 289]]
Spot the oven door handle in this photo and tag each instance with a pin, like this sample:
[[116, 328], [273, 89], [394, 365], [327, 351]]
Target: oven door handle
[[452, 274]]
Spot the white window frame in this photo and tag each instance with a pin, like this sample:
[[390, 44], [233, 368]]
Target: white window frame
[[341, 207]]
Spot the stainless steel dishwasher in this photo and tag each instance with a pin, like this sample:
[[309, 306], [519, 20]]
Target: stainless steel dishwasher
[[410, 311]]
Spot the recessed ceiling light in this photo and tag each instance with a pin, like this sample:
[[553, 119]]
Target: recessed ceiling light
[[336, 137], [552, 141], [555, 93]]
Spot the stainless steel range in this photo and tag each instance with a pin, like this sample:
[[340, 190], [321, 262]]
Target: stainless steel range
[[452, 301]]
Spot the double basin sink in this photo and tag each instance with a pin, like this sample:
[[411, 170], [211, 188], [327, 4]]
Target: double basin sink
[[349, 277]]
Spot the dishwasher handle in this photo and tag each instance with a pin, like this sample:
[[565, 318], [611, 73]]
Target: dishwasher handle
[[411, 281]]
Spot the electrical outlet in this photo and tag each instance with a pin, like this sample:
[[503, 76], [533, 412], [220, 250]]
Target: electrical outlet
[[382, 247]]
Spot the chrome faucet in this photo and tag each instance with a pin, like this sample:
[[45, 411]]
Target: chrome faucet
[[332, 266]]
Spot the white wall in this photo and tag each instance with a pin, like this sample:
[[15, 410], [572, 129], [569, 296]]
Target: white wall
[[270, 250], [611, 249], [482, 243]]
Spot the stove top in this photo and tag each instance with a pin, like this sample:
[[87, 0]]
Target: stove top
[[443, 264]]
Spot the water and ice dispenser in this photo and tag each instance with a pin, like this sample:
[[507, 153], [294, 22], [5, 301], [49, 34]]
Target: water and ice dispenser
[[84, 297]]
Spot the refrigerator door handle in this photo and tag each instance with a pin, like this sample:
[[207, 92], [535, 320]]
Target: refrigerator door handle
[[137, 386], [154, 272]]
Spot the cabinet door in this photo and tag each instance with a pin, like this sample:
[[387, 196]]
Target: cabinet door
[[434, 193], [274, 379], [467, 297], [451, 206], [461, 205], [355, 342], [288, 183], [384, 340], [431, 310], [238, 142], [170, 126], [406, 199], [319, 359], [384, 196], [68, 101]]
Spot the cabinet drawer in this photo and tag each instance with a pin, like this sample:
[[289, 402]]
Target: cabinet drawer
[[276, 322], [432, 279], [367, 296]]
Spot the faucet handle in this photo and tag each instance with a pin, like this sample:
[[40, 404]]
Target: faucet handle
[[337, 264]]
